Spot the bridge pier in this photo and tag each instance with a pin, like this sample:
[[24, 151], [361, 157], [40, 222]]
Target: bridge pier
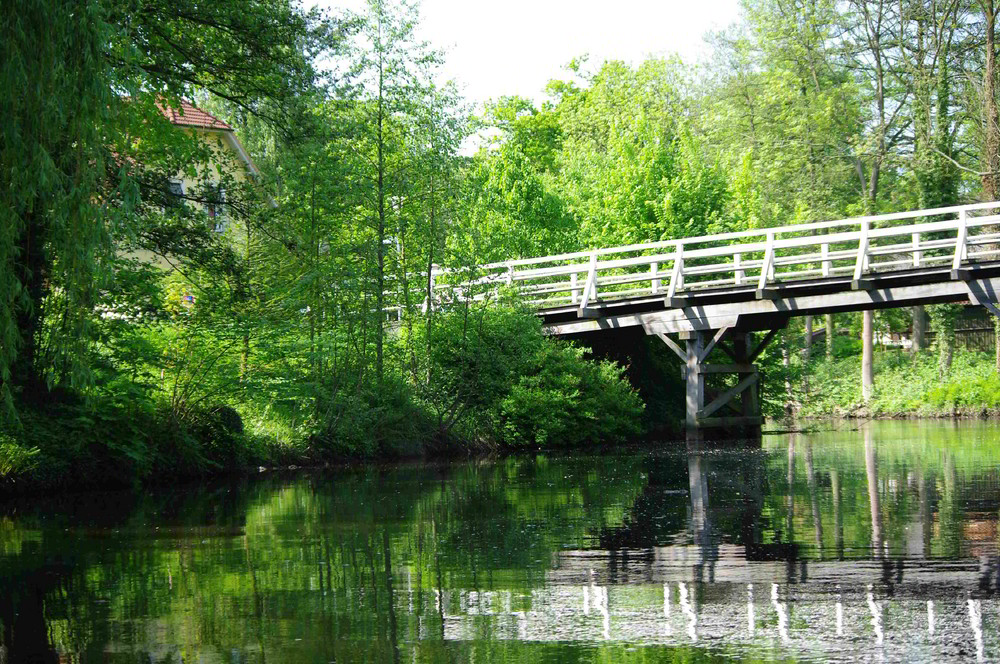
[[733, 410]]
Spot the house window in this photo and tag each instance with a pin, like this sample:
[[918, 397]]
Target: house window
[[176, 194], [216, 208]]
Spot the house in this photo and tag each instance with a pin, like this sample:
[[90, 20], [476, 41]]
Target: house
[[229, 157], [232, 158]]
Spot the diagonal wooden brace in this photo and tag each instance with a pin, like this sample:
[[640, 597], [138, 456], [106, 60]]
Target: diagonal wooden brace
[[672, 345], [711, 344], [728, 395]]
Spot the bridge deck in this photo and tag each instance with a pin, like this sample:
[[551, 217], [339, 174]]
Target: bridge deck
[[741, 307]]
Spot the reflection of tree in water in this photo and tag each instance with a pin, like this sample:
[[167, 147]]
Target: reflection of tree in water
[[64, 559], [364, 564]]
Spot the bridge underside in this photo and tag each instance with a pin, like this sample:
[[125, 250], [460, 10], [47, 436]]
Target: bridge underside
[[727, 318]]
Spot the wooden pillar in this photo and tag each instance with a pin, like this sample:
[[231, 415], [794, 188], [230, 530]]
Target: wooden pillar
[[867, 355], [750, 399], [695, 379], [735, 411]]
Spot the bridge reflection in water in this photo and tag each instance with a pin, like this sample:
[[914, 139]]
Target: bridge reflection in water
[[888, 594]]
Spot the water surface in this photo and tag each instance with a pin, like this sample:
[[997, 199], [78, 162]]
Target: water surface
[[873, 543]]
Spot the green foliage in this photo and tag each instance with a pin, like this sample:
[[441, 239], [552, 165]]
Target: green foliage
[[493, 379], [904, 385], [15, 460], [569, 400], [367, 422], [513, 213]]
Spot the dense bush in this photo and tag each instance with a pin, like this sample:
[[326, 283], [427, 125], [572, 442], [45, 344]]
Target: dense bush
[[363, 421], [69, 442], [567, 400], [493, 379]]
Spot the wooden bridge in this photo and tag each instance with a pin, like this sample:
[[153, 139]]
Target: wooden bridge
[[720, 291]]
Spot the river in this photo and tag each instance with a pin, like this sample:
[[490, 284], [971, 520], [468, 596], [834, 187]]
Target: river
[[857, 542]]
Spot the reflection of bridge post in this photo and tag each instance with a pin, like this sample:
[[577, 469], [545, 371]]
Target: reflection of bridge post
[[701, 527]]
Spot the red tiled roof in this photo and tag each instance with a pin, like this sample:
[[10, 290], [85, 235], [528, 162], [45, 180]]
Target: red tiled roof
[[189, 116]]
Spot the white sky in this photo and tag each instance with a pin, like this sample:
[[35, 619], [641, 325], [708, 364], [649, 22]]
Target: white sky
[[517, 46]]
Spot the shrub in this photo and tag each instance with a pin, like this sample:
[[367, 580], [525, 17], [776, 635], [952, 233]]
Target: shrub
[[570, 400], [494, 379]]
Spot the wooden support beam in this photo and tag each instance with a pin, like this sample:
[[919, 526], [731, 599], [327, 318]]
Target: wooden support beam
[[726, 396], [728, 351], [721, 368], [961, 274], [861, 284], [768, 338], [982, 294], [711, 344], [695, 381], [672, 345]]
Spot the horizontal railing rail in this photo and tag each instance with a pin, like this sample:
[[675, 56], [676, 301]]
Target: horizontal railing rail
[[759, 259]]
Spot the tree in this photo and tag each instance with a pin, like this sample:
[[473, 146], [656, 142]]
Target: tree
[[393, 75], [102, 72]]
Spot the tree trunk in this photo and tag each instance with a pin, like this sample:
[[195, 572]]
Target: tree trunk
[[991, 114], [787, 363], [829, 336], [808, 339], [867, 355], [380, 235], [919, 328]]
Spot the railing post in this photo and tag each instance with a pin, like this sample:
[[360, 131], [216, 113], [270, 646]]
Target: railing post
[[960, 242], [861, 261], [677, 276], [654, 282], [575, 293], [592, 277], [824, 251], [590, 288], [917, 254], [738, 274], [767, 268], [510, 275]]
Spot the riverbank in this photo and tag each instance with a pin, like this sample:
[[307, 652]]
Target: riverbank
[[490, 385], [556, 397]]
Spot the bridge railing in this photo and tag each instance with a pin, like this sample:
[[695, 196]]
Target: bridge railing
[[950, 237]]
